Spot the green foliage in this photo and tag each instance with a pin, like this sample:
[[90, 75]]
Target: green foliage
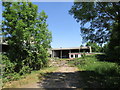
[[107, 69], [11, 77], [24, 70], [8, 65], [101, 17], [83, 55], [93, 70], [91, 63], [104, 23], [114, 45], [94, 46], [27, 36], [104, 48]]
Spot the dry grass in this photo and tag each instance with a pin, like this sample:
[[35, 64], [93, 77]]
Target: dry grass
[[29, 78]]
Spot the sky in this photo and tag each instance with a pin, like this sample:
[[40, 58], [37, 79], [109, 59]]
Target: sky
[[65, 30]]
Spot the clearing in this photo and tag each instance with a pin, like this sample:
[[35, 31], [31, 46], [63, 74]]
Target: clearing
[[64, 76], [63, 73]]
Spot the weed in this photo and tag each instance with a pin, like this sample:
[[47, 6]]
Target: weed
[[107, 73]]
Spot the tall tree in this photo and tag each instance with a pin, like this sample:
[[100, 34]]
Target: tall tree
[[114, 44], [99, 15], [104, 22], [27, 35]]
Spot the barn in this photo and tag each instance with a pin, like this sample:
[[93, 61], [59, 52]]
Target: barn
[[70, 52]]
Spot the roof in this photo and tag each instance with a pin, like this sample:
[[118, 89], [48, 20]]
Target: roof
[[87, 47]]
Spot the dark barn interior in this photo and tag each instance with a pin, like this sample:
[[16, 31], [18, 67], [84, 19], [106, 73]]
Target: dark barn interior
[[4, 47], [75, 51], [65, 53], [84, 50], [57, 53]]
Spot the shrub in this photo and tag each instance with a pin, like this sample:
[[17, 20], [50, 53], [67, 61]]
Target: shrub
[[10, 77], [24, 70], [106, 68], [90, 63], [8, 65]]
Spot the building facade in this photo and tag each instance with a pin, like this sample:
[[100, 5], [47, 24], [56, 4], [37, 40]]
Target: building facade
[[70, 52]]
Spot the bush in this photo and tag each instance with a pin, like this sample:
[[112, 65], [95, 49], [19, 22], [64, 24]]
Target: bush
[[106, 68], [8, 65], [24, 70], [10, 77], [105, 73], [90, 63]]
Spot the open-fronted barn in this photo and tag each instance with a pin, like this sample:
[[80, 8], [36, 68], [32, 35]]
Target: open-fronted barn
[[70, 52]]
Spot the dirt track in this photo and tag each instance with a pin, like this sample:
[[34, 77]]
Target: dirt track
[[64, 77]]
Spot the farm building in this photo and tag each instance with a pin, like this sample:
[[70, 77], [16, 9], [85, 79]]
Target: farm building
[[70, 52]]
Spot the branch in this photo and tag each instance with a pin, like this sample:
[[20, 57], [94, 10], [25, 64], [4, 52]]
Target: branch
[[105, 10]]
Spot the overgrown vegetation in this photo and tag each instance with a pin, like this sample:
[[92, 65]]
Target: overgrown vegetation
[[94, 47], [104, 72], [100, 23], [25, 31], [114, 45]]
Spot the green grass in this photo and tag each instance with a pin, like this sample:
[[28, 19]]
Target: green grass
[[106, 73]]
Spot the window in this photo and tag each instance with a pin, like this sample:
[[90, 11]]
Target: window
[[71, 56], [76, 55]]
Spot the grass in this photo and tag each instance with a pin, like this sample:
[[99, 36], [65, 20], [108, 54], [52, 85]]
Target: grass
[[28, 78], [107, 74]]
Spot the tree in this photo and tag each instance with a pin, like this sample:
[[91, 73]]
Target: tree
[[94, 46], [81, 45], [114, 44], [104, 22], [99, 15], [104, 48], [27, 35]]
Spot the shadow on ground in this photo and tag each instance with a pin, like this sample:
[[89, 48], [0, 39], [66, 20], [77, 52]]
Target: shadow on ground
[[79, 79]]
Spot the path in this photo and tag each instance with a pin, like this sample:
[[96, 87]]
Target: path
[[64, 77]]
